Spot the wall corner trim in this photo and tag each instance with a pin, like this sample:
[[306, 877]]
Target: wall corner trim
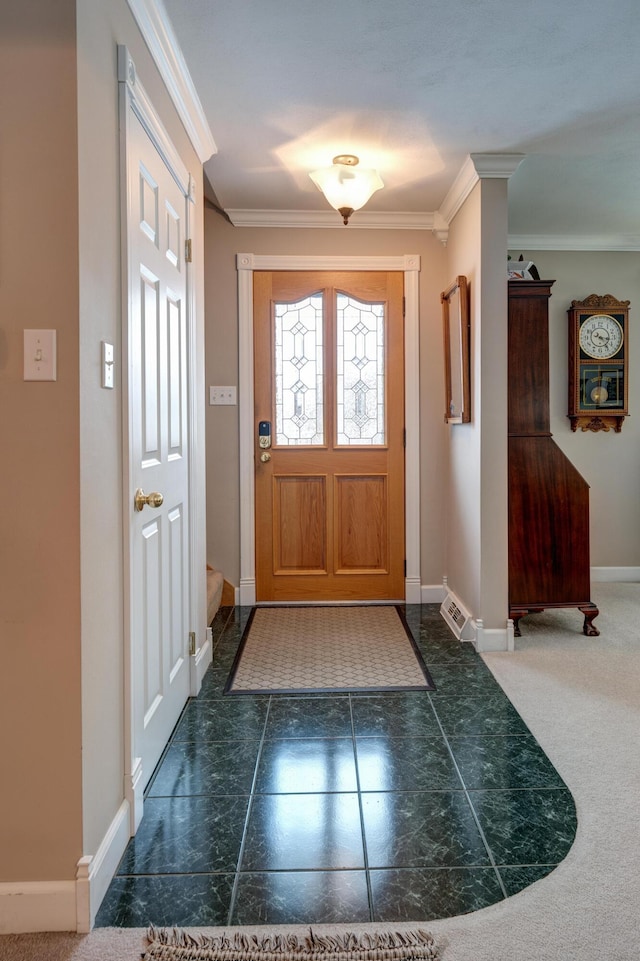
[[476, 167], [158, 32]]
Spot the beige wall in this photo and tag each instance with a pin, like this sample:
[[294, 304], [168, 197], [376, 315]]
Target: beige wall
[[39, 523], [462, 565], [223, 242], [477, 506], [609, 462]]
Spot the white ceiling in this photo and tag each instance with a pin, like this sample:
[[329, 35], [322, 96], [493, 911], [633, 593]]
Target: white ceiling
[[414, 86]]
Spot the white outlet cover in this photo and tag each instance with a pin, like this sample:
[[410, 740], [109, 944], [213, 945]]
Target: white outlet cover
[[223, 396]]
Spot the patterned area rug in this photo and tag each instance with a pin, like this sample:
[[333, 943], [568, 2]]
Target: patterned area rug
[[303, 649], [179, 945]]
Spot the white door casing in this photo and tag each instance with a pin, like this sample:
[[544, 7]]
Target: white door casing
[[157, 410]]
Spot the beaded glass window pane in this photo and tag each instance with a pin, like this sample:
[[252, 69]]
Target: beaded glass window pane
[[299, 373], [360, 378]]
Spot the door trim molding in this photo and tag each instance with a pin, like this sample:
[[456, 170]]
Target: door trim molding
[[246, 264]]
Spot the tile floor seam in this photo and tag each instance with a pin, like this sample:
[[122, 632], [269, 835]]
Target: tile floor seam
[[361, 812], [236, 873], [473, 811]]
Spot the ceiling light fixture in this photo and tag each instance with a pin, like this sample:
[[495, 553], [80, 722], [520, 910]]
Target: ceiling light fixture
[[345, 187]]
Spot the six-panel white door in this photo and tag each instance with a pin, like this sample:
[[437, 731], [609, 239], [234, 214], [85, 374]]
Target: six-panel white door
[[158, 431]]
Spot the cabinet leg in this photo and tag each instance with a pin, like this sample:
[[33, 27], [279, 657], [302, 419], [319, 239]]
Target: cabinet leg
[[590, 613]]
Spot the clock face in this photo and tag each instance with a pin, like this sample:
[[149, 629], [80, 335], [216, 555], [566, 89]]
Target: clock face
[[601, 336]]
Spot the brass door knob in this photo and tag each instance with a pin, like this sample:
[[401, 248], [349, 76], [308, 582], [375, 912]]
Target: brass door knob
[[151, 500], [265, 457]]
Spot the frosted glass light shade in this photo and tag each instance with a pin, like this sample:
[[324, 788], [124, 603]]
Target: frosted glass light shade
[[346, 186]]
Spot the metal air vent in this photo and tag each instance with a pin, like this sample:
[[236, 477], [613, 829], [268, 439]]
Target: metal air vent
[[458, 619]]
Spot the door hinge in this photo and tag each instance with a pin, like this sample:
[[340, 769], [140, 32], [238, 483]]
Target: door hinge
[[405, 567], [187, 251], [192, 643], [404, 306], [404, 436]]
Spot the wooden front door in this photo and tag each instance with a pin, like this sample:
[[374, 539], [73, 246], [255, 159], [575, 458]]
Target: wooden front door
[[329, 435]]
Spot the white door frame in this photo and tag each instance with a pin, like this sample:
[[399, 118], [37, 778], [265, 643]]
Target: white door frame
[[409, 264], [133, 98]]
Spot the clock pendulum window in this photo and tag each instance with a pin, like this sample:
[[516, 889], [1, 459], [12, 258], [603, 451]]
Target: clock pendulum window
[[598, 363]]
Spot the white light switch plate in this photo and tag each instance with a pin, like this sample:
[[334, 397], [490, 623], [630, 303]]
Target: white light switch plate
[[40, 355], [223, 395], [108, 364]]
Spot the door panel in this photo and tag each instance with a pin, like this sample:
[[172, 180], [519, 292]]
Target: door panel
[[329, 375], [299, 513], [361, 524]]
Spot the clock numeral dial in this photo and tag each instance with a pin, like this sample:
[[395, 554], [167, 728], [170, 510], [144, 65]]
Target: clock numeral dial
[[601, 336]]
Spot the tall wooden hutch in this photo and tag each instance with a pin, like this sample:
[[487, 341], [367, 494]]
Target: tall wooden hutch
[[549, 563]]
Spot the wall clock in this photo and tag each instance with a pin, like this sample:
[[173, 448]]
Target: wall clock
[[598, 363]]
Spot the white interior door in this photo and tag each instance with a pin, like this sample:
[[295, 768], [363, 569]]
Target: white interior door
[[158, 448]]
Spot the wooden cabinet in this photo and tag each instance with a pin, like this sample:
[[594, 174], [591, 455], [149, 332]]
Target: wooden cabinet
[[549, 563]]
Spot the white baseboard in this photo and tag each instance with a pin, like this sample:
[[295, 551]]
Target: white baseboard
[[620, 574], [37, 906], [495, 639], [246, 594], [94, 874], [432, 594], [31, 906], [133, 794], [412, 590], [200, 662]]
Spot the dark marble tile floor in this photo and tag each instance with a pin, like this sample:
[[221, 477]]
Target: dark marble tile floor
[[346, 808]]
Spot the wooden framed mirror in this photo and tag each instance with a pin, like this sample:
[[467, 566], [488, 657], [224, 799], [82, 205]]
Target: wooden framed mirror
[[455, 319]]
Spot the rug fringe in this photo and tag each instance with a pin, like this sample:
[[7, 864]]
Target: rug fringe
[[176, 944]]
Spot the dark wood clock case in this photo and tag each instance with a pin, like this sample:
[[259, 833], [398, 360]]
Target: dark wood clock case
[[549, 562]]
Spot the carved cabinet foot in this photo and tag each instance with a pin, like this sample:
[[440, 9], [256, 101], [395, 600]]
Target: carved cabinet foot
[[590, 613]]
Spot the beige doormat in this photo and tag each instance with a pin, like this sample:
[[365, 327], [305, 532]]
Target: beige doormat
[[174, 944], [303, 649]]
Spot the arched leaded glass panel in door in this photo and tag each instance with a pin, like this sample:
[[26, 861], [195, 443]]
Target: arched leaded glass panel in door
[[298, 372], [360, 372]]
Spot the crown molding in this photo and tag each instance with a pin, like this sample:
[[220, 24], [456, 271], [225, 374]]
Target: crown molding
[[496, 166], [362, 219], [594, 242], [409, 263], [477, 167], [156, 28]]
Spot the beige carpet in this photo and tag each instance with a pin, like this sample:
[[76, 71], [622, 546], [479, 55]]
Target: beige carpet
[[581, 698], [286, 649]]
